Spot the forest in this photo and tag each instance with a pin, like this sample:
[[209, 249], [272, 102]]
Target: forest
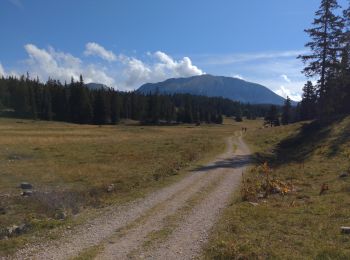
[[76, 103], [329, 63]]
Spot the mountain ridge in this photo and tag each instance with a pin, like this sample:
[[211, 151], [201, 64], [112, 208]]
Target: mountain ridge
[[216, 86]]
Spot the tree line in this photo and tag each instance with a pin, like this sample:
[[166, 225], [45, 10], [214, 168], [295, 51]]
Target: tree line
[[328, 63], [74, 102]]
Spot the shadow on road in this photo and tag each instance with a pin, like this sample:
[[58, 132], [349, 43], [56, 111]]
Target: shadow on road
[[237, 161]]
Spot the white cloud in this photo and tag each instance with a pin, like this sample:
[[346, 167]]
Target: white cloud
[[63, 66], [2, 71], [94, 49], [285, 77], [161, 67], [127, 73], [180, 68], [285, 92]]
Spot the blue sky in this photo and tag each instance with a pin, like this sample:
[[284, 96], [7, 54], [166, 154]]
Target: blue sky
[[127, 43]]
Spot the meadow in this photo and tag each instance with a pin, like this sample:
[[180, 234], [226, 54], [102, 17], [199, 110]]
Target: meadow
[[304, 223], [77, 170]]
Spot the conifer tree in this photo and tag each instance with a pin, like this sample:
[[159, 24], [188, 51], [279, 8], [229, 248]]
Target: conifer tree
[[272, 117], [345, 63], [325, 46], [287, 112], [80, 103], [115, 108], [308, 103]]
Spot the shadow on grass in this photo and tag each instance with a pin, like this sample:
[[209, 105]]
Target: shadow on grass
[[299, 147], [343, 138]]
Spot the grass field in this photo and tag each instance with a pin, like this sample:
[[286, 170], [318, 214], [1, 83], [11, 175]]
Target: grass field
[[302, 224], [71, 167]]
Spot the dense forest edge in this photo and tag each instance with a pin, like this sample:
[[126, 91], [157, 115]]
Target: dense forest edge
[[74, 102]]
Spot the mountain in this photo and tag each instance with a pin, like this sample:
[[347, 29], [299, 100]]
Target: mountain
[[216, 86], [96, 86]]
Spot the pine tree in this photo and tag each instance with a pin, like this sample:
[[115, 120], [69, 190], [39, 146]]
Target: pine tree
[[80, 103], [308, 103], [325, 46], [101, 110], [115, 107], [345, 63], [272, 117], [238, 117], [46, 105], [287, 112]]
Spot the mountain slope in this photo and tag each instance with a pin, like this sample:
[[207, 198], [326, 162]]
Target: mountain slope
[[215, 86], [96, 86]]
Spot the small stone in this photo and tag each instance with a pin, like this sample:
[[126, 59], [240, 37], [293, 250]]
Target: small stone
[[344, 175], [16, 230], [261, 195], [345, 230], [111, 188], [27, 193], [26, 186]]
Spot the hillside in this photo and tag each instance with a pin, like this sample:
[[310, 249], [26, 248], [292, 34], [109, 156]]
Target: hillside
[[304, 222], [215, 86]]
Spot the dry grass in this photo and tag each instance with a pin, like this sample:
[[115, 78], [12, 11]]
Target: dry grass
[[71, 166], [301, 224]]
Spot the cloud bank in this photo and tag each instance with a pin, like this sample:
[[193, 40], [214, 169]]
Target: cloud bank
[[63, 66], [119, 71], [285, 92], [279, 71], [94, 49], [162, 67]]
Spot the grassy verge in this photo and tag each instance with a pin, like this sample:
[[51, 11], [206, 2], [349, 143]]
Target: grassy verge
[[302, 224], [72, 166]]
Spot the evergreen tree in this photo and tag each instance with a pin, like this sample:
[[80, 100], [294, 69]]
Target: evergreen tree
[[115, 108], [80, 103], [308, 103], [345, 64], [101, 109], [238, 117], [287, 112], [46, 105], [272, 117], [325, 46]]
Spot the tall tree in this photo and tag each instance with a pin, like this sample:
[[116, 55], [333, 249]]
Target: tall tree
[[287, 112], [308, 103], [345, 63], [272, 117], [115, 107], [80, 103], [325, 46]]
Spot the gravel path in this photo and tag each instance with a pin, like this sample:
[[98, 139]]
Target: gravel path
[[185, 242]]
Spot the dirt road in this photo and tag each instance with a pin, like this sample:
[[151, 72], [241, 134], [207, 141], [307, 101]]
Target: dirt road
[[172, 223]]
